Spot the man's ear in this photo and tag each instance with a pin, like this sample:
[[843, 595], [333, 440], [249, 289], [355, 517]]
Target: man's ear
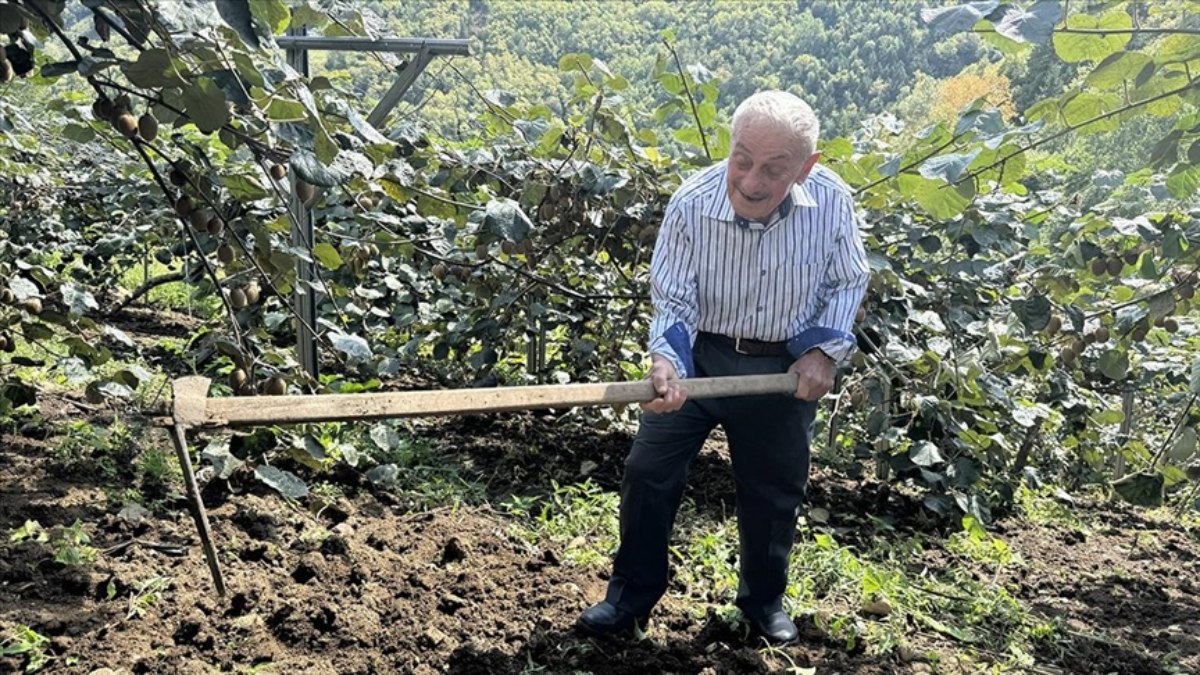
[[808, 167]]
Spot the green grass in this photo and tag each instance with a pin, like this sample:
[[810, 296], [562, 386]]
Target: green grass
[[175, 295], [580, 520], [23, 640]]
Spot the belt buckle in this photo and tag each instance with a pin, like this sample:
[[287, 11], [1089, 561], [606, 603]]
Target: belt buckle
[[737, 347]]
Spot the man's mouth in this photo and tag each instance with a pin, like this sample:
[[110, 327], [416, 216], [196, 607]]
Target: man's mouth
[[751, 199]]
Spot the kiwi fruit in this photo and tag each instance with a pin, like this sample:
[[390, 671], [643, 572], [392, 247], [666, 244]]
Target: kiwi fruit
[[184, 206], [481, 251], [1068, 355], [1099, 266], [1186, 291], [215, 226], [7, 296], [253, 293], [127, 124], [1101, 334], [225, 253], [305, 191], [6, 71], [102, 109], [278, 171], [147, 127], [199, 219], [438, 271], [1171, 326], [237, 298], [1115, 265], [178, 177], [1054, 325], [32, 305], [508, 247], [860, 315], [238, 379], [1131, 257], [275, 386], [1139, 334]]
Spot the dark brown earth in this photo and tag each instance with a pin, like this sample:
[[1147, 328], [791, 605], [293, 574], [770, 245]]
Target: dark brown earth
[[365, 587]]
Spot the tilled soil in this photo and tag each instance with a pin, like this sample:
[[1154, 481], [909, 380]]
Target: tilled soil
[[367, 588]]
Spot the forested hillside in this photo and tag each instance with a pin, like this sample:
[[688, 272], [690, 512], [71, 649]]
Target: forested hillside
[[1006, 473], [850, 58]]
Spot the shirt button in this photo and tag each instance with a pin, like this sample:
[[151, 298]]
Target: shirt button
[[758, 309], [763, 273]]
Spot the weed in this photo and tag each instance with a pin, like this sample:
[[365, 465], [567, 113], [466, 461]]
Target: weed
[[32, 529], [1043, 507], [71, 547], [975, 543], [70, 544], [147, 594], [34, 645], [583, 516]]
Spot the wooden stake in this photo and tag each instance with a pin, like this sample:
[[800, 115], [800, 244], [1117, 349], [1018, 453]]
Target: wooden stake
[[189, 396]]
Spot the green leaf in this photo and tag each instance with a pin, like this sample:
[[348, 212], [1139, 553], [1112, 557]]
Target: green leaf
[[1034, 312], [505, 219], [1114, 364], [1184, 180], [1035, 24], [285, 482], [351, 345], [273, 13], [327, 150], [78, 300], [79, 133], [1178, 49], [1076, 47], [1184, 446], [285, 110], [1141, 489], [574, 62], [205, 105], [938, 199], [949, 167], [925, 454], [959, 18], [1117, 69], [327, 256], [153, 70], [305, 15], [1086, 105], [244, 187], [236, 14]]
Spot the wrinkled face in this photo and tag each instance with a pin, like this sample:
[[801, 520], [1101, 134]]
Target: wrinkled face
[[763, 166]]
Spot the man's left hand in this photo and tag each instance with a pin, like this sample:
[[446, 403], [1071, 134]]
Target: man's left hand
[[815, 370]]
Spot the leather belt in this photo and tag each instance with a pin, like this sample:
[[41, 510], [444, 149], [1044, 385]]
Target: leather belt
[[748, 347]]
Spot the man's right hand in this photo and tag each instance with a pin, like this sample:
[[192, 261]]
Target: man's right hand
[[671, 396]]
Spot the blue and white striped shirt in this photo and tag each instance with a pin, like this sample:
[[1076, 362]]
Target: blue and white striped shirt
[[711, 272]]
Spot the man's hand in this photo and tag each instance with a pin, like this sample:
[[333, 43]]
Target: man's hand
[[815, 370], [666, 382]]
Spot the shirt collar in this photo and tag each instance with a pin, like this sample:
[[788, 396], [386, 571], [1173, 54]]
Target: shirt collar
[[720, 208]]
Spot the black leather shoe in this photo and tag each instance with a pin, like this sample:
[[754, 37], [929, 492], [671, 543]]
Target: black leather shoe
[[775, 627], [607, 619]]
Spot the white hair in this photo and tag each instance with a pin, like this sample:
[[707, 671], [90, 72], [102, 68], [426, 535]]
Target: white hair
[[785, 113]]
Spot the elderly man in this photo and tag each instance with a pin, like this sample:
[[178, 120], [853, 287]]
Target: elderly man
[[759, 268]]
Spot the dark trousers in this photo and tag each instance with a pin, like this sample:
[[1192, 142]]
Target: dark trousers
[[769, 448]]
